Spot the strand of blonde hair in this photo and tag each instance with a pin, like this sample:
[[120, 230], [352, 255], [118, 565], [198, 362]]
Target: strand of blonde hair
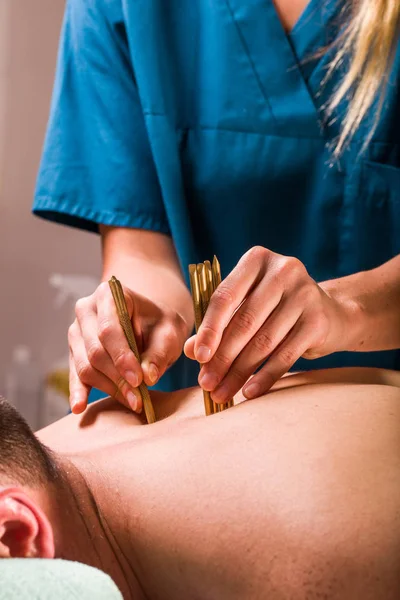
[[369, 39]]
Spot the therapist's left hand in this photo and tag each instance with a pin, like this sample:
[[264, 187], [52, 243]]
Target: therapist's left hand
[[267, 308]]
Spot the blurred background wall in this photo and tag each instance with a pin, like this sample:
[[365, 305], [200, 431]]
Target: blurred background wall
[[31, 250]]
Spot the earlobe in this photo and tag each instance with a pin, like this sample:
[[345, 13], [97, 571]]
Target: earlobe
[[25, 531]]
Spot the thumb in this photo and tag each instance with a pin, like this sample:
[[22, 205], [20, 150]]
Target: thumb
[[163, 349]]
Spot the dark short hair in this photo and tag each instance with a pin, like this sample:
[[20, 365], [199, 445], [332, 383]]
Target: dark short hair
[[23, 458]]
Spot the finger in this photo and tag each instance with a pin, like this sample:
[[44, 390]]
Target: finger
[[248, 319], [189, 347], [281, 360], [262, 345], [78, 391], [113, 340], [226, 299], [164, 347], [96, 353], [90, 377]]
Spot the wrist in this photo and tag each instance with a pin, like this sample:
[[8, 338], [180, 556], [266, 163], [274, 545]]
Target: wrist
[[352, 317], [160, 284]]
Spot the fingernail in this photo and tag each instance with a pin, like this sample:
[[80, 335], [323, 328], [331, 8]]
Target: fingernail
[[221, 394], [132, 378], [252, 390], [208, 381], [153, 373], [132, 400], [203, 354]]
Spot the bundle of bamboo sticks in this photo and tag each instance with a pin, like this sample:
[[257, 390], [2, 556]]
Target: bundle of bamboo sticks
[[204, 280]]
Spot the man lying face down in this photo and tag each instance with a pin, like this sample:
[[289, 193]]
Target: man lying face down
[[294, 495]]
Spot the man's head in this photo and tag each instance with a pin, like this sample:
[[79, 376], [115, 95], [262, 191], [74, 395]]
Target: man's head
[[26, 469]]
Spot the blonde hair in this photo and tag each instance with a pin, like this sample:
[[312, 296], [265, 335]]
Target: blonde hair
[[369, 39]]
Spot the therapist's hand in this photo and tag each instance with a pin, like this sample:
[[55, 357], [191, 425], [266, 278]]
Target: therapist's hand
[[267, 308], [99, 353]]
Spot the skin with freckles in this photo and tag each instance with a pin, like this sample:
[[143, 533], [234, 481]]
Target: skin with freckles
[[295, 495]]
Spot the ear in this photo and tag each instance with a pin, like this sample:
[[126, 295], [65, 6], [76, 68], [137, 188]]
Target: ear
[[25, 531]]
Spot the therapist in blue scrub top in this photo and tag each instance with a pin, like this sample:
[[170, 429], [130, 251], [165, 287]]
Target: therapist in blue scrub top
[[249, 129]]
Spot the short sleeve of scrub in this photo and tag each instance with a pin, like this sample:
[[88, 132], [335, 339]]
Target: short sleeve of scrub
[[97, 165]]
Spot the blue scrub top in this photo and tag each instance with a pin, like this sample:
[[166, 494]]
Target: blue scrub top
[[204, 121]]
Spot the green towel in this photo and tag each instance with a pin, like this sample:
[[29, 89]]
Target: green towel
[[32, 579]]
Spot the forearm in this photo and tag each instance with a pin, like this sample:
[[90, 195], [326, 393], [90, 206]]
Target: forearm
[[146, 262], [371, 300]]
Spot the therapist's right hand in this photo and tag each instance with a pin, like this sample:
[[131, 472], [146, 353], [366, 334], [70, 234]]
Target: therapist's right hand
[[99, 353]]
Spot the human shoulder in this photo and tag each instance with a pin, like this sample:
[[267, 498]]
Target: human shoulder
[[103, 424]]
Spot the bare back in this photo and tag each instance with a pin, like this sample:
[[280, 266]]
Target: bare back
[[238, 505]]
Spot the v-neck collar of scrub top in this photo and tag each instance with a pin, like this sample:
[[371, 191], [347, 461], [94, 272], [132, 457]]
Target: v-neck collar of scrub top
[[276, 58]]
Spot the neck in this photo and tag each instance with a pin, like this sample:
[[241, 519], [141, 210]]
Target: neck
[[81, 533]]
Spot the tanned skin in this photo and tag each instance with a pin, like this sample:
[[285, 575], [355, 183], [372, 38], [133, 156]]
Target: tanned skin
[[289, 496]]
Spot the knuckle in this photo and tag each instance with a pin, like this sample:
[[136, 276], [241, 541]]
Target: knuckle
[[161, 357], [72, 333], [208, 332], [81, 307], [257, 253], [105, 330], [170, 348], [238, 373], [223, 359], [170, 335], [291, 266], [168, 341], [95, 353], [288, 356], [246, 320], [103, 289], [263, 343], [295, 264], [223, 296], [84, 371], [119, 361]]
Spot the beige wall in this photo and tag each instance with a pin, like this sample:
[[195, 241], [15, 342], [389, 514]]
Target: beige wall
[[30, 249], [4, 18]]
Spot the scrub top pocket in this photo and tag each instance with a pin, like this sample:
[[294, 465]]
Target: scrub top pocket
[[378, 214]]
